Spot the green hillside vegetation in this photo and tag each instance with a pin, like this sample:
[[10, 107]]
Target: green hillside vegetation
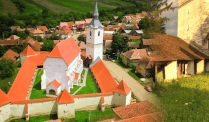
[[121, 2], [31, 9], [1, 7]]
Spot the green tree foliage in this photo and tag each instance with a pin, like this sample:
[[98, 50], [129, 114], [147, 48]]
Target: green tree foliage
[[3, 49], [19, 48], [81, 38], [6, 68], [47, 46], [20, 5], [119, 43], [38, 38]]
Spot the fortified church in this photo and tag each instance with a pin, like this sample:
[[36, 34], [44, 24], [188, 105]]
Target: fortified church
[[62, 68]]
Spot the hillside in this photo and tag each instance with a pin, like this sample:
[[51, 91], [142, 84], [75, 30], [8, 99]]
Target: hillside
[[60, 6]]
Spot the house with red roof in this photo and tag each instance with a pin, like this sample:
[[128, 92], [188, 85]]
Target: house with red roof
[[10, 54], [27, 52], [13, 37], [63, 65], [35, 32], [64, 33], [81, 45]]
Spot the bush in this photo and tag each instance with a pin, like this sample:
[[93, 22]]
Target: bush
[[6, 68]]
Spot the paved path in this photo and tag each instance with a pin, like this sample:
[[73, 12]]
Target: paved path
[[138, 90], [31, 85], [84, 81]]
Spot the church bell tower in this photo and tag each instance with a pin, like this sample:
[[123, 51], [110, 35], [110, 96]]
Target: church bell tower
[[94, 37]]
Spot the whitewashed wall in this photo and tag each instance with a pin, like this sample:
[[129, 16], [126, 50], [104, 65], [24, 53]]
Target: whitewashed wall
[[189, 68], [98, 51], [22, 58], [17, 110], [42, 108], [65, 111], [94, 38], [5, 113], [43, 80], [119, 99], [55, 69], [89, 51], [171, 70], [128, 99], [51, 86]]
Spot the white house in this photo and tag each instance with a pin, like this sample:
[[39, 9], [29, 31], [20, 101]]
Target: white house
[[62, 67], [64, 34], [94, 37]]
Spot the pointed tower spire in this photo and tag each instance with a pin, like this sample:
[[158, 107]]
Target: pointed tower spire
[[95, 13]]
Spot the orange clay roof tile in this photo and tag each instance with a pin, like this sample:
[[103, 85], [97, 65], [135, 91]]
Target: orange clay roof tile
[[28, 51], [55, 83], [65, 97], [102, 98], [64, 50], [4, 99], [10, 54], [76, 76], [122, 88]]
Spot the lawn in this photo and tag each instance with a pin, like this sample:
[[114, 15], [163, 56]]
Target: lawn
[[83, 6], [4, 82], [186, 99], [82, 75], [121, 64], [75, 88], [90, 86], [136, 41], [37, 93], [30, 8], [80, 116]]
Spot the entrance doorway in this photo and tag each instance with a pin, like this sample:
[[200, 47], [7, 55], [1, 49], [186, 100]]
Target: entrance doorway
[[52, 92]]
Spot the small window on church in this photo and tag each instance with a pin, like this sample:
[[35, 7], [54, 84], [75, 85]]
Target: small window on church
[[99, 33], [90, 33], [188, 11]]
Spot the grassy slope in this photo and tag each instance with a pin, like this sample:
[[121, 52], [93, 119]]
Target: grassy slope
[[90, 87], [37, 93], [81, 5], [4, 82], [121, 2], [30, 8], [193, 91], [75, 88], [82, 75]]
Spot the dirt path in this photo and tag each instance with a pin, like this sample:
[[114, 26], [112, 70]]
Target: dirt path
[[8, 7], [53, 7], [119, 73]]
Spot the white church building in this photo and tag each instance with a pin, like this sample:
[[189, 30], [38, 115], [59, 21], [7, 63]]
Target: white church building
[[62, 68], [94, 37]]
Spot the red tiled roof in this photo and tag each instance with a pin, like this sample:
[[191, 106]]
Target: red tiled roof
[[10, 54], [150, 41], [76, 76], [81, 44], [28, 51], [55, 83], [33, 100], [105, 80], [90, 57], [8, 42], [83, 55], [71, 23], [88, 20], [107, 36], [38, 59], [102, 98], [29, 40], [133, 37], [79, 22], [4, 99], [65, 97], [153, 117], [18, 91], [43, 28], [122, 88], [105, 22], [36, 46], [13, 37], [63, 31], [64, 50], [94, 94], [134, 110], [34, 31], [136, 54], [57, 41]]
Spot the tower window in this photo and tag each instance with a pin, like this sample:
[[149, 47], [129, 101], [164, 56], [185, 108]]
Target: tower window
[[188, 11], [99, 33], [188, 28], [90, 33]]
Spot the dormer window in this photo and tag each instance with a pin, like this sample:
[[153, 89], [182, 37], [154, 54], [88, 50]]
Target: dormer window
[[90, 33], [99, 33]]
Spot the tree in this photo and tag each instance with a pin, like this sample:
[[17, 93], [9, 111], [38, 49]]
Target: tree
[[6, 68], [119, 43], [48, 45], [3, 49], [19, 47], [81, 38]]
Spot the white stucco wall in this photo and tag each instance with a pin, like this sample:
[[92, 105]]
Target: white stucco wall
[[94, 38], [17, 110], [43, 80], [119, 99], [189, 68], [200, 66], [65, 111], [171, 70], [128, 99], [5, 113], [22, 58], [51, 86], [42, 108], [55, 69]]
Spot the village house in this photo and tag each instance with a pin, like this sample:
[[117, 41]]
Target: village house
[[81, 45], [35, 32], [28, 40], [115, 18], [13, 37], [64, 34], [11, 55], [88, 20], [105, 22], [172, 58], [36, 46], [42, 28], [136, 32]]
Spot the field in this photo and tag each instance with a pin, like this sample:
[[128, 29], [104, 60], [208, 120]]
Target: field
[[4, 82], [8, 7], [31, 9], [186, 99], [1, 7]]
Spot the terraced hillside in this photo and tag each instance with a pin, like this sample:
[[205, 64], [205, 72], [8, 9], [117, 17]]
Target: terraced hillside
[[60, 6]]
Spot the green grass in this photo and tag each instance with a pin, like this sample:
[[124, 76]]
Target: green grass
[[90, 86], [83, 6], [136, 76], [75, 88], [1, 7], [82, 75], [37, 93], [192, 90], [136, 40], [37, 5], [121, 2], [80, 116], [31, 9], [121, 64], [4, 82]]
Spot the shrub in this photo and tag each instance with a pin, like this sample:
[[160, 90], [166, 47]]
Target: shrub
[[6, 68]]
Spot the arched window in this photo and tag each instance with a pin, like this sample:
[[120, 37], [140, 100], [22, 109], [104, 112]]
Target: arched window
[[90, 33], [99, 33]]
